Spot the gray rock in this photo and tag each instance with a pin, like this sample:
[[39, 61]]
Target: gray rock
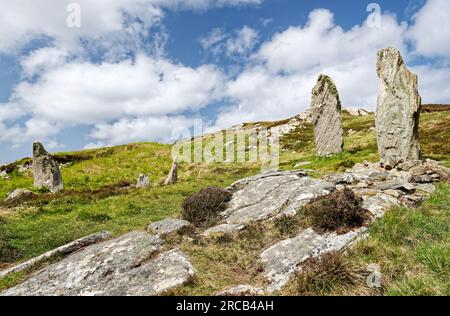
[[357, 112], [142, 181], [426, 187], [46, 172], [172, 177], [223, 229], [379, 203], [395, 185], [20, 194], [327, 119], [267, 195], [282, 260], [169, 226], [60, 251], [128, 265], [398, 110], [4, 175], [242, 290]]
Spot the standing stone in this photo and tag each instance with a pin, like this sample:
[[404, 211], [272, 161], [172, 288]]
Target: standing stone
[[327, 119], [398, 110], [46, 172], [172, 178], [142, 182]]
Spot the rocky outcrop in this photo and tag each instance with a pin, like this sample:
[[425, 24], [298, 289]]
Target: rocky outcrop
[[326, 117], [169, 226], [172, 177], [271, 194], [357, 112], [129, 265], [20, 194], [142, 182], [283, 259], [398, 110], [60, 251], [46, 171]]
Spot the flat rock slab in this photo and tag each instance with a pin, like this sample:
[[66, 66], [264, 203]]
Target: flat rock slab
[[223, 229], [268, 195], [128, 265], [242, 290], [283, 259], [168, 226]]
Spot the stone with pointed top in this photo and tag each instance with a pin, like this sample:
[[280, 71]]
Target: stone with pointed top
[[172, 178], [327, 118], [46, 171], [398, 110]]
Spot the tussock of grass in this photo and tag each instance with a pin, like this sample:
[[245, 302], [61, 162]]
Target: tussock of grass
[[324, 275]]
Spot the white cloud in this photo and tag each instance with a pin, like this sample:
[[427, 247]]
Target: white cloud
[[431, 30], [140, 129], [240, 42], [24, 20], [83, 93], [244, 41]]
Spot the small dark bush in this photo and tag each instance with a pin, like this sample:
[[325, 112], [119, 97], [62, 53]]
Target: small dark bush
[[320, 276], [203, 208], [338, 211]]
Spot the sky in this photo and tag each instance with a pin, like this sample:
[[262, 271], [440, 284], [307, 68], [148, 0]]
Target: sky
[[87, 74]]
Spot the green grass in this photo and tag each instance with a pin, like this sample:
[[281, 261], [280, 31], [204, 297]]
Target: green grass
[[92, 202]]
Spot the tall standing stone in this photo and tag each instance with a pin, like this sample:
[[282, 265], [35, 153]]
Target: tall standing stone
[[172, 177], [326, 116], [398, 110], [46, 172]]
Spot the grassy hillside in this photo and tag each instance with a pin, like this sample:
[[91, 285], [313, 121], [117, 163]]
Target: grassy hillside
[[95, 198]]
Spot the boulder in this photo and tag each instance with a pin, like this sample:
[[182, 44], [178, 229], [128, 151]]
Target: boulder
[[271, 194], [398, 110], [172, 177], [128, 265], [142, 181], [327, 119], [46, 172], [169, 226], [282, 260], [20, 194]]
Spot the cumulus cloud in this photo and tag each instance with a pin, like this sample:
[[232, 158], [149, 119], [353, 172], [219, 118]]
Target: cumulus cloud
[[24, 20], [431, 30], [83, 93]]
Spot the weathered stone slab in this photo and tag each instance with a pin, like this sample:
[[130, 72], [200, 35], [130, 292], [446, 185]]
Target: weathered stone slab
[[63, 250], [128, 265], [267, 195], [282, 260], [142, 182], [326, 117], [398, 110], [46, 171], [242, 290], [223, 229], [168, 226], [378, 204], [172, 177]]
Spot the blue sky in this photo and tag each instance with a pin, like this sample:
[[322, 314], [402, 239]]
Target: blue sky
[[139, 70]]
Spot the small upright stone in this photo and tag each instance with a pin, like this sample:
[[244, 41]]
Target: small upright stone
[[398, 110], [142, 182], [172, 178], [326, 116], [46, 172]]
